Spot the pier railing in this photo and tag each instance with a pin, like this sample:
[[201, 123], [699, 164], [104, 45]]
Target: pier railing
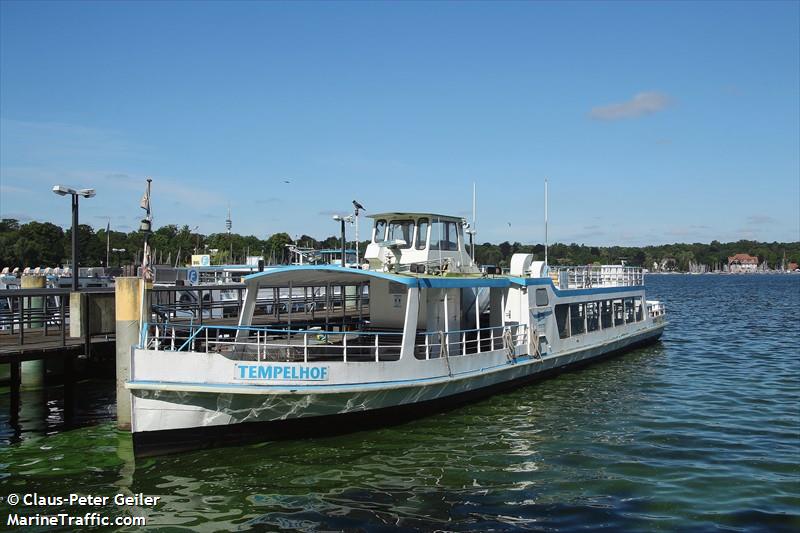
[[23, 311], [315, 344], [39, 319], [584, 277]]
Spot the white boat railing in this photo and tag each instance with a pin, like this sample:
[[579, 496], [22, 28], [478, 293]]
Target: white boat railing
[[310, 345], [585, 277], [434, 344], [655, 308]]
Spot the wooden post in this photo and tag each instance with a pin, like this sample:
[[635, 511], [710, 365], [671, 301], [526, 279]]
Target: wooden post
[[15, 388]]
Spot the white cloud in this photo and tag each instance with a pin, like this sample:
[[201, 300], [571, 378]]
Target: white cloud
[[8, 189], [760, 220], [641, 104]]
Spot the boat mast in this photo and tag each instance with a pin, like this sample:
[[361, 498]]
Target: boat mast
[[545, 221], [474, 223], [228, 226]]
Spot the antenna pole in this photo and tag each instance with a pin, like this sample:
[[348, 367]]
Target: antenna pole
[[545, 221], [228, 226], [358, 262], [474, 222]]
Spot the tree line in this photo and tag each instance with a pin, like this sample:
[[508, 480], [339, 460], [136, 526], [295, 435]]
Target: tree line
[[47, 245]]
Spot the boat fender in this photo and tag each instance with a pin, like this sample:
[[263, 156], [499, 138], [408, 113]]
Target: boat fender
[[508, 344]]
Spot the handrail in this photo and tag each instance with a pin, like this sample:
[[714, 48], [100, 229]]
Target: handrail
[[166, 337], [262, 329], [582, 277]]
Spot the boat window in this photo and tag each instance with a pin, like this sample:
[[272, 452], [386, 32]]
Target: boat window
[[444, 236], [618, 316], [592, 316], [422, 233], [629, 310], [541, 297], [606, 316], [562, 320], [401, 229], [638, 308], [380, 230], [577, 318]]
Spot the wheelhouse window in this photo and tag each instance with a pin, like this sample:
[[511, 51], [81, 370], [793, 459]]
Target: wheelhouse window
[[401, 229], [380, 230], [444, 236], [577, 317], [422, 234]]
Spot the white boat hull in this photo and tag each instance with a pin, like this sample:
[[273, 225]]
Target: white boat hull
[[171, 417]]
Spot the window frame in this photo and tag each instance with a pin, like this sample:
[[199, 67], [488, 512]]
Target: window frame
[[399, 223], [424, 241], [382, 238]]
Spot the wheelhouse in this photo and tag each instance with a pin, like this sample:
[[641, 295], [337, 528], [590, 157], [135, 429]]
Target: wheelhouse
[[402, 239]]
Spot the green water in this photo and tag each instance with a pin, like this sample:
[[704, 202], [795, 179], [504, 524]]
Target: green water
[[699, 432]]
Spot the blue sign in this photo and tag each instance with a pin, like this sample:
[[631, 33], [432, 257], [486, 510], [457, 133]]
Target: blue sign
[[205, 261], [279, 372], [193, 276]]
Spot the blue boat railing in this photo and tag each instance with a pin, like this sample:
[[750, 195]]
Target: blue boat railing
[[312, 344]]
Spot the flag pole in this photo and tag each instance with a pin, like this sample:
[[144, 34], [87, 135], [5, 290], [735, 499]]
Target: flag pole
[[108, 239], [146, 228], [545, 221]]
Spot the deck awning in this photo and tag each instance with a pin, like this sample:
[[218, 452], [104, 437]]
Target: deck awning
[[316, 275]]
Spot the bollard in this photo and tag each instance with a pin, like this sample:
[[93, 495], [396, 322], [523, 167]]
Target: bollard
[[127, 298], [32, 375]]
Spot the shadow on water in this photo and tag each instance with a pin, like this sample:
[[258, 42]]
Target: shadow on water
[[53, 409], [698, 432]]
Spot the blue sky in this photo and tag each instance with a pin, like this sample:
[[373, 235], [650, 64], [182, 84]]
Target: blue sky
[[654, 122]]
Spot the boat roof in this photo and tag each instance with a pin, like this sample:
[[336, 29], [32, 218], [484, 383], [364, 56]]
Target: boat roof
[[323, 274], [315, 275], [399, 214]]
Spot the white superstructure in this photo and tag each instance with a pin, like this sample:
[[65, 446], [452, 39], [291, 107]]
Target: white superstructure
[[404, 336]]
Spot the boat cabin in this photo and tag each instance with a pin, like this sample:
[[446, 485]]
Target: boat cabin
[[432, 243]]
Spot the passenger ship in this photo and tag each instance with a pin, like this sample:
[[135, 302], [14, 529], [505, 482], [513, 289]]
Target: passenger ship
[[418, 329]]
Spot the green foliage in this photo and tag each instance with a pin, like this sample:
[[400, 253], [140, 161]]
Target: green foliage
[[45, 244]]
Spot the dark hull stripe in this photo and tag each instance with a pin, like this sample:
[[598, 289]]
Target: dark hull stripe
[[151, 443]]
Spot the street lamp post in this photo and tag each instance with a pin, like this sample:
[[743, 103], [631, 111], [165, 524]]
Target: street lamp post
[[61, 190], [197, 239], [343, 219], [118, 251]]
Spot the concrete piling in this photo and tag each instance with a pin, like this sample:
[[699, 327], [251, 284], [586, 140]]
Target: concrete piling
[[128, 298], [32, 374]]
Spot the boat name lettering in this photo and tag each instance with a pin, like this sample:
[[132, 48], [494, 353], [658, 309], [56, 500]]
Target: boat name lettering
[[282, 372]]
